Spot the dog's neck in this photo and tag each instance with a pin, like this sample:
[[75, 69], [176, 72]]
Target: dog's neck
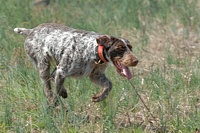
[[100, 55]]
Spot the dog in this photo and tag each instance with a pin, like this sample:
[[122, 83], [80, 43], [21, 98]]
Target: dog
[[76, 53]]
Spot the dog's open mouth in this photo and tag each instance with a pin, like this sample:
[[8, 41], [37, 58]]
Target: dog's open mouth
[[123, 70]]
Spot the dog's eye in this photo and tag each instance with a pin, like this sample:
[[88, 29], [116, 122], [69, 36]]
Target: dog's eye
[[121, 49]]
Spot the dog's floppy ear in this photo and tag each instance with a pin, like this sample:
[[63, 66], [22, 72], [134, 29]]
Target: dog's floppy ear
[[103, 40], [106, 41]]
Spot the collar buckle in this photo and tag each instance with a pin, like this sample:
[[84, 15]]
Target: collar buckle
[[98, 62]]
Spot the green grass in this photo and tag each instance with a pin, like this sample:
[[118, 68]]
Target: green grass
[[165, 37]]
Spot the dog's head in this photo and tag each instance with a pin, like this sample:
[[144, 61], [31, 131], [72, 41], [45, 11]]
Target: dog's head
[[119, 51]]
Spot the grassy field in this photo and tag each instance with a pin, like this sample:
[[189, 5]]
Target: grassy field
[[165, 37]]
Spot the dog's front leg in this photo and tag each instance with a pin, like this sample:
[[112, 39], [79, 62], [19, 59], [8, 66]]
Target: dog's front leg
[[101, 80]]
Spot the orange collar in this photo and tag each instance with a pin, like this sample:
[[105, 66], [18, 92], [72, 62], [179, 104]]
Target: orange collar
[[100, 55]]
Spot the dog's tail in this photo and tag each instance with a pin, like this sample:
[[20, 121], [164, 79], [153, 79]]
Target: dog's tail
[[22, 31]]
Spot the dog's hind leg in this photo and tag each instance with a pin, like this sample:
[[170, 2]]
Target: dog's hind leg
[[44, 71], [42, 63], [58, 80], [63, 92]]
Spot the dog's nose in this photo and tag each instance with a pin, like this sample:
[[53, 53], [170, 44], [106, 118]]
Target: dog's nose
[[135, 62]]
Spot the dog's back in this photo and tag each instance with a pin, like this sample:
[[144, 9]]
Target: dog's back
[[74, 48]]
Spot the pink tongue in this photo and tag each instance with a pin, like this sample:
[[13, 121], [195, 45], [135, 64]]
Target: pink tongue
[[126, 71]]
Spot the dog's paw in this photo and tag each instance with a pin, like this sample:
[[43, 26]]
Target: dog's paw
[[63, 93], [97, 98], [101, 95]]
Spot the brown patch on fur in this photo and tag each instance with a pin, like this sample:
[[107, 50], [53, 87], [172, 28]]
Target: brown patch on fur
[[128, 59]]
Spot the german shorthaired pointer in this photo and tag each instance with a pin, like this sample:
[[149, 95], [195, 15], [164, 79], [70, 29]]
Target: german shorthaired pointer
[[76, 53]]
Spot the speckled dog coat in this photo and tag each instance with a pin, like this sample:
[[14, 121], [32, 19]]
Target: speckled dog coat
[[76, 53]]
